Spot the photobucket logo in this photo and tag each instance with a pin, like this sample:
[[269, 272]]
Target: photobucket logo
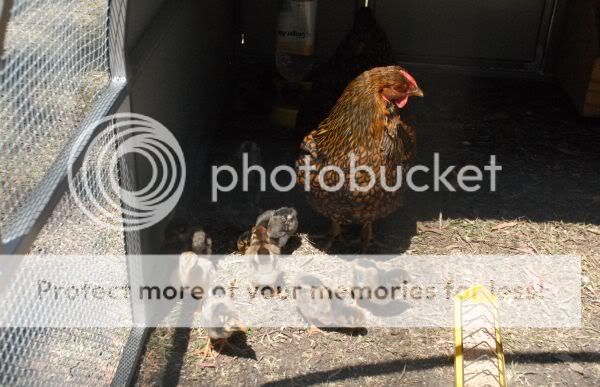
[[359, 178], [101, 186]]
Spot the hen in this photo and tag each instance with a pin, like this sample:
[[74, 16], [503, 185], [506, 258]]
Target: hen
[[365, 122]]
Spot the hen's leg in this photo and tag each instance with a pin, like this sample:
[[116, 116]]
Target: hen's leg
[[367, 239], [335, 232]]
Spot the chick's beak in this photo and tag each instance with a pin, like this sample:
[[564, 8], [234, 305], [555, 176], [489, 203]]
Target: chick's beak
[[237, 325]]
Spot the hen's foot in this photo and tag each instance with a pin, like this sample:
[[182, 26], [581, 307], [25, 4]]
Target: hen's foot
[[313, 331], [365, 246], [367, 239]]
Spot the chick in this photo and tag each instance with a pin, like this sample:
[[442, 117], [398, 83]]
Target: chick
[[367, 278], [260, 243], [322, 309], [180, 237], [263, 260], [201, 243], [194, 270], [191, 271], [221, 321], [282, 227], [263, 219], [243, 242], [281, 224]]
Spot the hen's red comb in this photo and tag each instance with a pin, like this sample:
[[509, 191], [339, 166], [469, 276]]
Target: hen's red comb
[[409, 77]]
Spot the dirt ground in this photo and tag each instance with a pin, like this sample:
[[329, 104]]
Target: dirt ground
[[548, 202]]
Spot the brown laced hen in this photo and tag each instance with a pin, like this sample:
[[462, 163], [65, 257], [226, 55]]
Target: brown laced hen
[[365, 122]]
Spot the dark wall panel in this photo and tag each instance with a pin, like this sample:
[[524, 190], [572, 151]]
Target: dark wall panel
[[141, 13], [179, 76], [463, 32], [499, 30]]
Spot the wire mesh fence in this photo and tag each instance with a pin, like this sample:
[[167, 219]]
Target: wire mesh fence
[[54, 67], [74, 356], [56, 73]]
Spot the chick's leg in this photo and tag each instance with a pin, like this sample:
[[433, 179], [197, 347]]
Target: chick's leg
[[207, 352], [314, 330], [215, 346], [226, 343]]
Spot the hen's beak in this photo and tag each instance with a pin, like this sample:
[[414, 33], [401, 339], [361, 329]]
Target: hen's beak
[[417, 93]]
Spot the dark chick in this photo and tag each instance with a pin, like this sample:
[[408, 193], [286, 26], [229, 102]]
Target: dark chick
[[281, 224], [263, 219], [365, 122], [243, 242]]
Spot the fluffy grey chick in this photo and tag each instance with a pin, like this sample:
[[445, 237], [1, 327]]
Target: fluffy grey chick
[[191, 271], [220, 320], [368, 277], [194, 270], [323, 309], [281, 224]]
